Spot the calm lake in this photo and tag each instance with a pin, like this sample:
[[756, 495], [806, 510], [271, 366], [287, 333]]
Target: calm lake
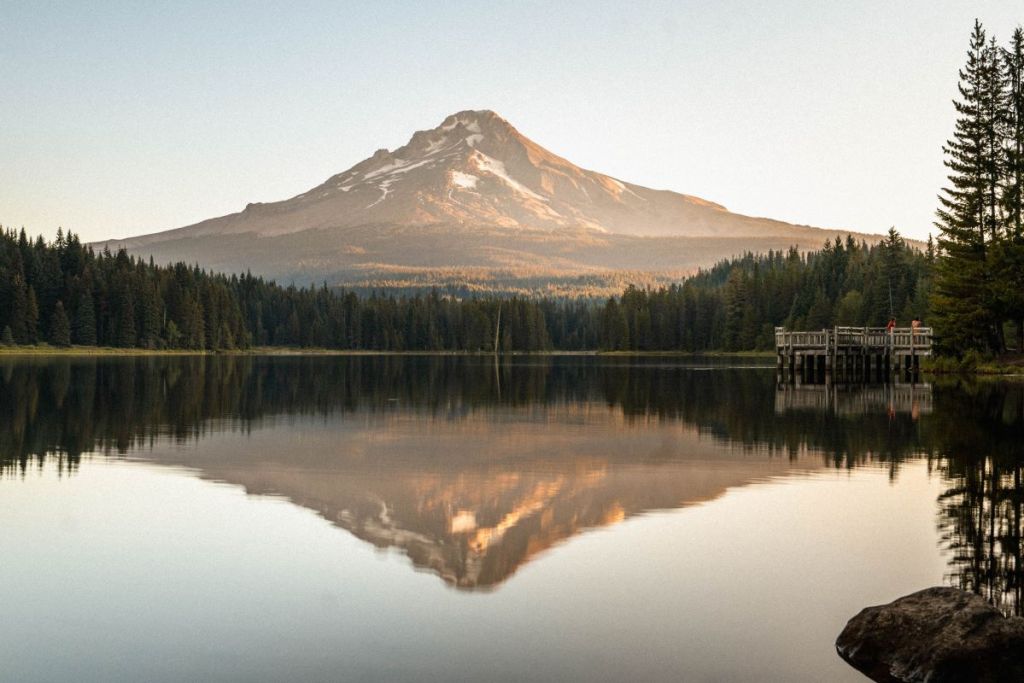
[[452, 518]]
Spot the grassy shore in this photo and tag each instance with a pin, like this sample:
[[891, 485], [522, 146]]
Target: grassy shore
[[975, 364], [47, 350], [1011, 365]]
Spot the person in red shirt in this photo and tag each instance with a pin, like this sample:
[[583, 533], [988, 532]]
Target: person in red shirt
[[891, 326]]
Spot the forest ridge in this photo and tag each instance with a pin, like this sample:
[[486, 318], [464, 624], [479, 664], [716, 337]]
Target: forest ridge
[[63, 292]]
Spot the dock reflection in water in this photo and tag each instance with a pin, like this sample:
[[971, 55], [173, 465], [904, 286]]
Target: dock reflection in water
[[890, 398]]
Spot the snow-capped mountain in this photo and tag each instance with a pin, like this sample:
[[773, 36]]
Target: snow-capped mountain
[[468, 198]]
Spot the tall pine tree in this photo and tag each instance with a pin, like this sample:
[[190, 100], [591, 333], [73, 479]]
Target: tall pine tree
[[85, 320], [1010, 272], [60, 326], [32, 317], [18, 316], [1013, 198], [963, 298]]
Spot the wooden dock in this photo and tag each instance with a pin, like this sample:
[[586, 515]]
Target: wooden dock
[[852, 352]]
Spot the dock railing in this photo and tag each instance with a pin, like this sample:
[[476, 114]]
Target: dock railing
[[843, 347]]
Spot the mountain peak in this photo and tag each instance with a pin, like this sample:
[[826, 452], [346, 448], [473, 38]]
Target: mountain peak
[[472, 115], [473, 191], [476, 169], [467, 128], [480, 121]]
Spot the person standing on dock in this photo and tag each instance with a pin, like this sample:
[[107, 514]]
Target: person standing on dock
[[891, 326]]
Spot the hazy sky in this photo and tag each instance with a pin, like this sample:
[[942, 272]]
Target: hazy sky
[[119, 119]]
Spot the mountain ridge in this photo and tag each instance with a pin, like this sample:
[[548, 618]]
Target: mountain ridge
[[472, 193]]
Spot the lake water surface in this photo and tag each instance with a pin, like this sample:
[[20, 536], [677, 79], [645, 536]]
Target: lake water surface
[[452, 518]]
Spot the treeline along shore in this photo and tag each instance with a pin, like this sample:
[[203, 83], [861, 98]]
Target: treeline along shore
[[62, 293]]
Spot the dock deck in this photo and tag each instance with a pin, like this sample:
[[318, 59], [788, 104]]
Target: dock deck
[[863, 351]]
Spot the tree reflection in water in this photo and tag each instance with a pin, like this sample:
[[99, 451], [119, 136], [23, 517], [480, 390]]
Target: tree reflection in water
[[981, 453], [71, 406], [970, 433]]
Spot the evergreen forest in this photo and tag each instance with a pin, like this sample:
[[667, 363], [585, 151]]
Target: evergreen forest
[[63, 293]]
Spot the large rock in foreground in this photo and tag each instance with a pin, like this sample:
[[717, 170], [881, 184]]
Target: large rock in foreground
[[935, 635]]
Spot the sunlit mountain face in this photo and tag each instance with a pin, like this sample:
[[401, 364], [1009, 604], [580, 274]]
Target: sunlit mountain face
[[472, 469], [476, 203]]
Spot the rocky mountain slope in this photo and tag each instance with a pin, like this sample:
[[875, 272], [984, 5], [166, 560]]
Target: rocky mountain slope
[[474, 204]]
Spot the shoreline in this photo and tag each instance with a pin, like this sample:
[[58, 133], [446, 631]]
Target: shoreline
[[86, 351], [1007, 366], [943, 368]]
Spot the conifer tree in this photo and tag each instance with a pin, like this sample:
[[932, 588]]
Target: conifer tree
[[32, 318], [60, 326], [1011, 260], [85, 320], [820, 314], [1013, 197], [895, 270], [194, 330], [993, 120], [963, 299], [848, 311], [150, 317], [18, 317], [126, 336]]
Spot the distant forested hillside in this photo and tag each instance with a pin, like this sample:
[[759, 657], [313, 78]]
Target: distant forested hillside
[[64, 293]]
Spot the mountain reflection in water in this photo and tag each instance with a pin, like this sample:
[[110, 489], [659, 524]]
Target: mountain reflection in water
[[471, 468]]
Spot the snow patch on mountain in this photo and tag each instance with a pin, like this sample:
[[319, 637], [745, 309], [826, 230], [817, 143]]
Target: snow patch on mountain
[[486, 164], [464, 180], [397, 166], [435, 146], [384, 187], [466, 119]]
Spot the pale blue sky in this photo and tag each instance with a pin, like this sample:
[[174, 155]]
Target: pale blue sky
[[119, 118]]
